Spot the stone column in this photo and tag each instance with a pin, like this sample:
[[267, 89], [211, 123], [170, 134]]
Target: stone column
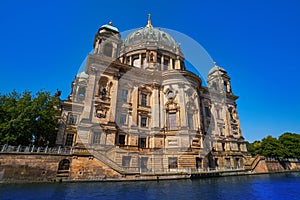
[[155, 106], [130, 60], [177, 63], [114, 96], [140, 60], [89, 95], [182, 103], [171, 63], [162, 109], [198, 115], [162, 63], [135, 93]]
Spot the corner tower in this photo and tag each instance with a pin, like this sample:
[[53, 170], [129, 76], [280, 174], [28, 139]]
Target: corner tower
[[107, 41]]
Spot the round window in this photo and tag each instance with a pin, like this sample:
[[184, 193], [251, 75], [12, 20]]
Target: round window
[[171, 95]]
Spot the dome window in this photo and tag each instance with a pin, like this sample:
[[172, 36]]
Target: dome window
[[108, 49], [136, 61]]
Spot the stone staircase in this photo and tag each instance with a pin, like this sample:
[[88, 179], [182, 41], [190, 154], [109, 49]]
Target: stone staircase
[[187, 161], [64, 174], [251, 163], [103, 158]]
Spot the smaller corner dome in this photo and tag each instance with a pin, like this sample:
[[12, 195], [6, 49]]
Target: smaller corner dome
[[216, 68], [82, 75], [109, 27]]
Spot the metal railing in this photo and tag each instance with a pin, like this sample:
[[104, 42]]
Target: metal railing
[[33, 149], [283, 159]]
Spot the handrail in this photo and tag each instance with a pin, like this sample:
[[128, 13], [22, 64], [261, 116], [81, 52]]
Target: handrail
[[33, 149]]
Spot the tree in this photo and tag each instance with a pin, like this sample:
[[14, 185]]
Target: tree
[[286, 146], [291, 142], [26, 119], [270, 147]]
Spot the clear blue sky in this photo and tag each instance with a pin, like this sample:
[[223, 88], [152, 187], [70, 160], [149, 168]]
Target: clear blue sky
[[257, 41]]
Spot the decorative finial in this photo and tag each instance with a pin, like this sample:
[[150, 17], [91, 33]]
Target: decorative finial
[[110, 23], [149, 25], [215, 63]]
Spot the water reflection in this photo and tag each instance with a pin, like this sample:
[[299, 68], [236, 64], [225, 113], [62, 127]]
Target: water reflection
[[276, 186]]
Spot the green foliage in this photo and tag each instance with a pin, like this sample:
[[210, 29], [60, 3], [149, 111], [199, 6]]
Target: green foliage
[[291, 142], [28, 119], [286, 146]]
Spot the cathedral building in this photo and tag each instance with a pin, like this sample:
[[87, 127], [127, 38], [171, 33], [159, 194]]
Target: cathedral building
[[137, 109]]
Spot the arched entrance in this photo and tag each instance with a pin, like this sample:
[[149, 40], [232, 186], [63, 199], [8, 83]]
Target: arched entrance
[[64, 164]]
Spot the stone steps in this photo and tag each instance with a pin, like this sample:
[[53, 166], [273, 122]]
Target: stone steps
[[62, 174]]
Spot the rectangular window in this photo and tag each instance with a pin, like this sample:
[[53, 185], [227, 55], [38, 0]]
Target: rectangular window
[[207, 112], [143, 99], [143, 61], [69, 139], [143, 121], [198, 162], [144, 162], [126, 161], [228, 164], [159, 63], [72, 119], [123, 119], [121, 139], [190, 121], [166, 64], [142, 142], [237, 162], [172, 121], [96, 138], [125, 96], [221, 131], [172, 161]]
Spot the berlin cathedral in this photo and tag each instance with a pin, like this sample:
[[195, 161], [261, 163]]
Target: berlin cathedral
[[138, 109]]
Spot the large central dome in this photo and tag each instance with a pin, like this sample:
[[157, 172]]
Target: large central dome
[[150, 35]]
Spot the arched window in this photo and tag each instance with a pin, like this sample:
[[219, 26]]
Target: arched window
[[214, 86], [64, 164], [136, 61], [81, 91], [108, 49], [225, 86], [104, 88]]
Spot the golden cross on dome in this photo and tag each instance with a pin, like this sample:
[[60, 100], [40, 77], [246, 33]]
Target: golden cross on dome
[[149, 25]]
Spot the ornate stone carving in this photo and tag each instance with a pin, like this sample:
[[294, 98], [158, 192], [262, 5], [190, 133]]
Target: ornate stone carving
[[101, 112]]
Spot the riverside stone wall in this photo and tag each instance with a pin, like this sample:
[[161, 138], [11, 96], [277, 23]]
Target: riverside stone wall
[[34, 167], [29, 167], [272, 165]]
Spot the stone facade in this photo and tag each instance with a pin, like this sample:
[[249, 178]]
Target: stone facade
[[137, 108]]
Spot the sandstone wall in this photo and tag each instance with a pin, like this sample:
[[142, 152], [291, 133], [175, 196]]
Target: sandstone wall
[[34, 167], [29, 167], [267, 166]]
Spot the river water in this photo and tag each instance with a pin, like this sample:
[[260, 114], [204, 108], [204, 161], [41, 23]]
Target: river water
[[273, 186]]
